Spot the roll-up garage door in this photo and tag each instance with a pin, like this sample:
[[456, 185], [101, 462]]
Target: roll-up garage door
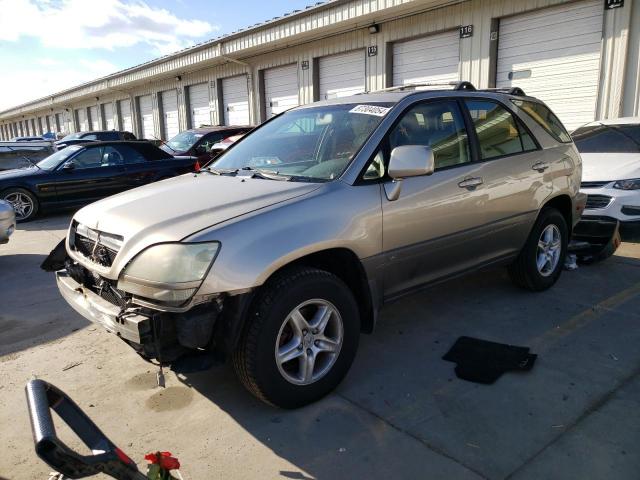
[[94, 121], [81, 115], [435, 58], [554, 54], [235, 100], [146, 117], [280, 89], [341, 75], [126, 122], [199, 110], [107, 110], [170, 125]]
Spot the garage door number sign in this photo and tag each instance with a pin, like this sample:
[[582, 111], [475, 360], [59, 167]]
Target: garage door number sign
[[611, 4], [466, 31]]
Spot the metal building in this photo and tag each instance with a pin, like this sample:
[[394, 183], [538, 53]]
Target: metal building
[[580, 56]]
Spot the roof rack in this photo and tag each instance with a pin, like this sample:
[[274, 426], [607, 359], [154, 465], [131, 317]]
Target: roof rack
[[468, 86], [517, 91]]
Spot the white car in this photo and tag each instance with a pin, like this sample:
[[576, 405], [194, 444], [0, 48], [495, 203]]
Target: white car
[[610, 151], [7, 221]]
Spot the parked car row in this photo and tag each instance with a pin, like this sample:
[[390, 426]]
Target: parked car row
[[92, 165]]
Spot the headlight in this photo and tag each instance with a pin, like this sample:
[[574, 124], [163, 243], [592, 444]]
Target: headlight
[[170, 272], [633, 184]]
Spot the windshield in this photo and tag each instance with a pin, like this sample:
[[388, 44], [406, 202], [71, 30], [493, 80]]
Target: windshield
[[72, 136], [52, 161], [316, 143], [184, 141], [608, 139]]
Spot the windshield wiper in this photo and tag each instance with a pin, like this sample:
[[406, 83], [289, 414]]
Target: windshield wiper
[[260, 173], [25, 157]]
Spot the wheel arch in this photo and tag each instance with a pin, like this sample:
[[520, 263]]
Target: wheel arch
[[564, 205]]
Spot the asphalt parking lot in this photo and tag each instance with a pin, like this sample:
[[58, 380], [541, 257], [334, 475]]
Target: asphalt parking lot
[[400, 413]]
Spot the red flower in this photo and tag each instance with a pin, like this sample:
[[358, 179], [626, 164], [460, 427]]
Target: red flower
[[164, 459]]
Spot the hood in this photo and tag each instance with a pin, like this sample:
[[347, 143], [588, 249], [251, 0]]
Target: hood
[[173, 209], [610, 166], [18, 172]]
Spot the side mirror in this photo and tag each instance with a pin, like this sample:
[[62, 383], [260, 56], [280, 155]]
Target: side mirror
[[69, 166], [411, 161], [408, 161]]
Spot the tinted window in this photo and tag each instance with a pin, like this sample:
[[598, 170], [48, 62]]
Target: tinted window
[[89, 158], [131, 155], [108, 136], [496, 129], [545, 118], [438, 125], [607, 138], [111, 157]]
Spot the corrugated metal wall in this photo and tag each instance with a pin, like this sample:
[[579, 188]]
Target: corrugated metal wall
[[340, 28]]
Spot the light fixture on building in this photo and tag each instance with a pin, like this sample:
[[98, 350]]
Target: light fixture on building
[[375, 28], [178, 78]]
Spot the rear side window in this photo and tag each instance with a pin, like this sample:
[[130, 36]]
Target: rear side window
[[545, 118], [130, 155], [497, 129]]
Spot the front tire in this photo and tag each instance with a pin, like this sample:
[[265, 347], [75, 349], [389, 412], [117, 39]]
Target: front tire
[[541, 261], [300, 340], [24, 203]]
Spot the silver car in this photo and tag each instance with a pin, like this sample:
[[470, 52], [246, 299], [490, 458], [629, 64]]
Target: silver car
[[7, 221], [284, 250]]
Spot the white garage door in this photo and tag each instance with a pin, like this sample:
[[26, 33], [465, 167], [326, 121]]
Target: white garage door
[[146, 117], [280, 89], [126, 122], [94, 122], [199, 110], [81, 115], [235, 100], [554, 54], [341, 75], [435, 58], [107, 109], [170, 125]]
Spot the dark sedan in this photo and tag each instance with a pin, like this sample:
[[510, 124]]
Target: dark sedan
[[81, 174], [197, 142], [93, 136]]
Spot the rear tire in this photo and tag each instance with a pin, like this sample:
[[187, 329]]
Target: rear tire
[[25, 203], [541, 260], [290, 360]]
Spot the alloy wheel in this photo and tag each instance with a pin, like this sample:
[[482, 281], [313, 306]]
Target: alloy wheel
[[309, 342], [21, 203], [549, 250]]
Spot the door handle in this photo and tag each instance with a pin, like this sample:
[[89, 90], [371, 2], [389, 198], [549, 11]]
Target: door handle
[[471, 183], [540, 166]]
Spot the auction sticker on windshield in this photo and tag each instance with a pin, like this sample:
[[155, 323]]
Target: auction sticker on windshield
[[370, 110]]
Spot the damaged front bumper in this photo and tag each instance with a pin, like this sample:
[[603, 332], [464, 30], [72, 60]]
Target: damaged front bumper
[[154, 334], [131, 326]]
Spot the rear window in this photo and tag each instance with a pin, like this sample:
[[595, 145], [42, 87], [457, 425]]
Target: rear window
[[545, 118], [608, 139]]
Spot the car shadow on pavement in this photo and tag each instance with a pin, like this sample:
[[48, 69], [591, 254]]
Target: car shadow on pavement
[[32, 311], [402, 412]]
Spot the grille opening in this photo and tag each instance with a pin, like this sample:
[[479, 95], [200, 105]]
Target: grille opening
[[595, 202]]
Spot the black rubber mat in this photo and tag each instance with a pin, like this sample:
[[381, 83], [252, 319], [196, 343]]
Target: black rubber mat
[[482, 361]]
